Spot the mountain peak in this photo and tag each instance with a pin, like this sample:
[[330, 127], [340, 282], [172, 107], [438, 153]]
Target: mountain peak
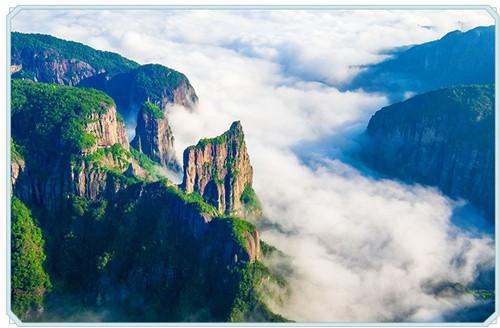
[[219, 170], [236, 127]]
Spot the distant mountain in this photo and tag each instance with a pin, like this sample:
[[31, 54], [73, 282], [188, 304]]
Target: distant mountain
[[457, 58], [442, 138], [95, 230]]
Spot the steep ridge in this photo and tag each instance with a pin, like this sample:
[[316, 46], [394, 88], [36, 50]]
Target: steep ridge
[[118, 245], [219, 170], [455, 59], [443, 138]]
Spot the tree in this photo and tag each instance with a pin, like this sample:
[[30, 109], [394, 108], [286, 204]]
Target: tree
[[29, 280]]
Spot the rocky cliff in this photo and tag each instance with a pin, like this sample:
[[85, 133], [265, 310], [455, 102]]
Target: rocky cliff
[[443, 138], [154, 137], [219, 170], [77, 144], [107, 128], [17, 164]]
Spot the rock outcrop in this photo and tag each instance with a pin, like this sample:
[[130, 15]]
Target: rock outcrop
[[81, 179], [108, 129], [219, 170], [154, 137], [17, 166], [253, 245], [443, 138]]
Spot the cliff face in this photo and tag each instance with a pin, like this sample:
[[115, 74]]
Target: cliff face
[[17, 166], [219, 170], [154, 137], [48, 171], [50, 190], [107, 129], [48, 66], [444, 138]]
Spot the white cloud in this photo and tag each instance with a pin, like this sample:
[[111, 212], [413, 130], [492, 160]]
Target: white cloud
[[362, 249]]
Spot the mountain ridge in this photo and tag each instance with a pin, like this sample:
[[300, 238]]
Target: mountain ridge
[[455, 59]]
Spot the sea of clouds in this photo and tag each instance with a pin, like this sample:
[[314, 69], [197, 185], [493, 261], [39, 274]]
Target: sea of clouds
[[361, 248]]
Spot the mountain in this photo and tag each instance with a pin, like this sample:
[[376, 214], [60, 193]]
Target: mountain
[[44, 58], [442, 138], [219, 170], [455, 59], [108, 243]]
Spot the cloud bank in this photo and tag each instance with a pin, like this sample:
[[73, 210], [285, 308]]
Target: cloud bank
[[362, 249]]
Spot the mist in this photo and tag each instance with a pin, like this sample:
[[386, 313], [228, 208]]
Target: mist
[[362, 248]]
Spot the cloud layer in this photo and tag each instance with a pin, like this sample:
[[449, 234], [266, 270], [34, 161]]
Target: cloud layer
[[362, 249]]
